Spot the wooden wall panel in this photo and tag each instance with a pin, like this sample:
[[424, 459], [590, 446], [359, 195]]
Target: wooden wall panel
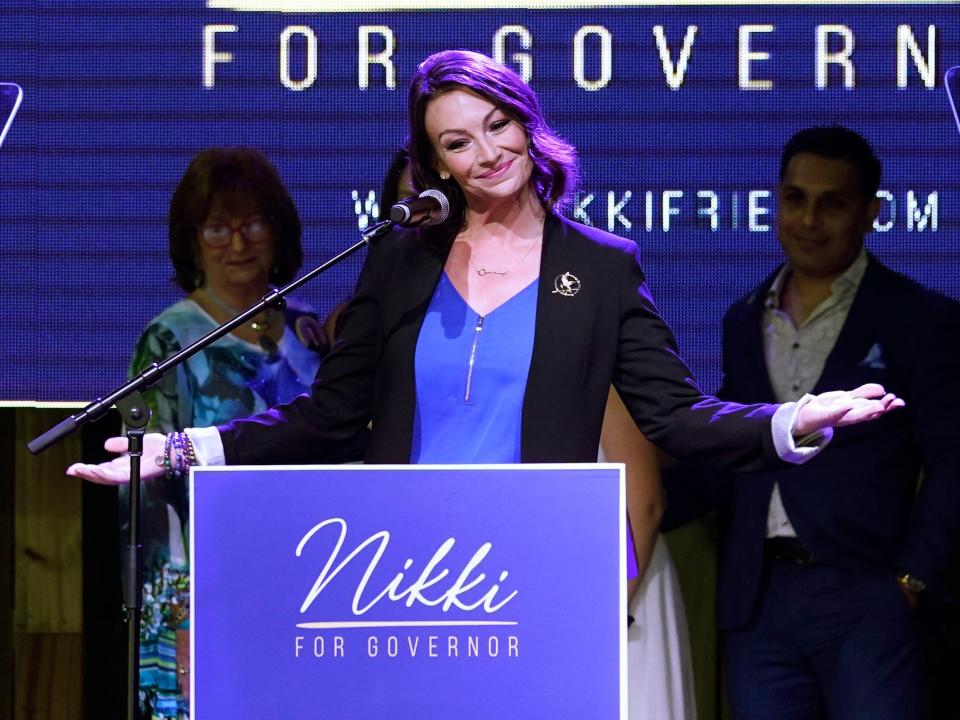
[[48, 595], [7, 441], [49, 682], [47, 573]]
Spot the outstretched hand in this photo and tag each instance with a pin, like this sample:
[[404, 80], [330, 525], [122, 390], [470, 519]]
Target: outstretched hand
[[845, 407], [117, 471]]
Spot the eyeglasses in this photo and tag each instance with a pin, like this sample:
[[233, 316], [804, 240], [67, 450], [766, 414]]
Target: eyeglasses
[[254, 229]]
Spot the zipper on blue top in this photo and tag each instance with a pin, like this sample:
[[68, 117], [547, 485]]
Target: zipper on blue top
[[473, 356]]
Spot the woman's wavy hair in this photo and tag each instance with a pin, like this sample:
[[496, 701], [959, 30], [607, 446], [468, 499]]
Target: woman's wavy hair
[[232, 171], [555, 171]]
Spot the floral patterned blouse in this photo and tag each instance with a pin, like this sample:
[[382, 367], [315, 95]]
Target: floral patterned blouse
[[230, 379]]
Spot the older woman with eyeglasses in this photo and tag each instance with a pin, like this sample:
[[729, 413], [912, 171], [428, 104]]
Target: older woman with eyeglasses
[[234, 232]]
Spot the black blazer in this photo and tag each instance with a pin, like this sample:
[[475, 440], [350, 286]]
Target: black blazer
[[856, 506], [607, 331]]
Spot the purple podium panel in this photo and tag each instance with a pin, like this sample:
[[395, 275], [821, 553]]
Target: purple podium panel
[[369, 592]]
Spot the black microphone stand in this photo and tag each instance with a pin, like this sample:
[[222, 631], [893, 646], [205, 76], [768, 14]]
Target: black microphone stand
[[136, 415]]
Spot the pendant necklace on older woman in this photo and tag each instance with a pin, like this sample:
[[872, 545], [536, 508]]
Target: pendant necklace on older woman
[[260, 324]]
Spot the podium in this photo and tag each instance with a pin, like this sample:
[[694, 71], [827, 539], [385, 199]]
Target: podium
[[367, 592]]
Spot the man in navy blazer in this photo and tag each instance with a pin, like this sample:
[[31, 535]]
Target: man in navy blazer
[[824, 565]]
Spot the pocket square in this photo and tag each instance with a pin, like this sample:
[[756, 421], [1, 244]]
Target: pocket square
[[874, 358]]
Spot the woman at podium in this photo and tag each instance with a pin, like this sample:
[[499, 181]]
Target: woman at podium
[[494, 336]]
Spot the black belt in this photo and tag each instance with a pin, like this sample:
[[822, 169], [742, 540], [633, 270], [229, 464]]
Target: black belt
[[787, 550]]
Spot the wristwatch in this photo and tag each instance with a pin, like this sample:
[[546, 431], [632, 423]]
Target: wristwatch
[[911, 582]]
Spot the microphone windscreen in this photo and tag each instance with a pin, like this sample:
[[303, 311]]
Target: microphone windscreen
[[444, 212]]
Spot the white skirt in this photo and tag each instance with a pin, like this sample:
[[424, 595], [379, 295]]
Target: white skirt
[[659, 670]]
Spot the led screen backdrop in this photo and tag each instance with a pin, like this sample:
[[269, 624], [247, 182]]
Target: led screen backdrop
[[678, 113]]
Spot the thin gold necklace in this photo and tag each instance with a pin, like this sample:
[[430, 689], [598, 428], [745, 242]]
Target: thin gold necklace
[[261, 326], [482, 271]]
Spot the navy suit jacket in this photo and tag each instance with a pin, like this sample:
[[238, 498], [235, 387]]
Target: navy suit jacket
[[857, 504]]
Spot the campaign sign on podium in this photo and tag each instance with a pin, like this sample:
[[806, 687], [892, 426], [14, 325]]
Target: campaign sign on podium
[[367, 592]]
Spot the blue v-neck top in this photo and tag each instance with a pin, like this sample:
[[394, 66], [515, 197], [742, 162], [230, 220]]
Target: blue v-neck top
[[471, 372]]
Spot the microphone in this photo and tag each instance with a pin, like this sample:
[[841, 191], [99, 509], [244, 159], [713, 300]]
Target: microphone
[[431, 207]]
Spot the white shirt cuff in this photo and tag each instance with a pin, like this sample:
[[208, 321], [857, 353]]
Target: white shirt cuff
[[796, 450], [207, 445]]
